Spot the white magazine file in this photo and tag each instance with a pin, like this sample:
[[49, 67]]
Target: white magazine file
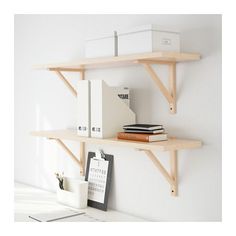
[[83, 110], [108, 112]]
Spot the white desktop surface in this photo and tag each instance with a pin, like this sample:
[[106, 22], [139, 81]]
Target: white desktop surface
[[30, 200]]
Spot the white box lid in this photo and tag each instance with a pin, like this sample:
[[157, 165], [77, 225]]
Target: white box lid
[[149, 27], [102, 36]]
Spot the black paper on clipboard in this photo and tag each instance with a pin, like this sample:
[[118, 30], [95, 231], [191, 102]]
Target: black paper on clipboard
[[92, 203]]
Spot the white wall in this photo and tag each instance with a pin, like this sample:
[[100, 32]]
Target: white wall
[[43, 102]]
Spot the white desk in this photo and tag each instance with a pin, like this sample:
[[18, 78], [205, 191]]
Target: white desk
[[30, 200]]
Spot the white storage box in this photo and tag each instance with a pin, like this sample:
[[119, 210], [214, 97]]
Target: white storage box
[[75, 193], [149, 38], [103, 46]]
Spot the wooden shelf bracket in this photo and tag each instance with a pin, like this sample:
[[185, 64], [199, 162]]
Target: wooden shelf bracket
[[172, 177], [169, 94], [80, 162], [58, 71]]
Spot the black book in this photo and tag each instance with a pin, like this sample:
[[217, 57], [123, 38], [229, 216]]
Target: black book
[[141, 131], [143, 127]]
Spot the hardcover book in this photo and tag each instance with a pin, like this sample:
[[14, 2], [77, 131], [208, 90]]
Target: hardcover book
[[143, 126], [142, 137], [155, 131]]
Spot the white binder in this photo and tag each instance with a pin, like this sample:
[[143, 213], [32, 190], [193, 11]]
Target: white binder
[[108, 112], [83, 103]]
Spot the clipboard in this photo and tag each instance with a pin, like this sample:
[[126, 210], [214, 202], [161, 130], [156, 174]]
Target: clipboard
[[98, 174]]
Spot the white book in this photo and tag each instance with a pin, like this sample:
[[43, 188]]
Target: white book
[[108, 112], [83, 108]]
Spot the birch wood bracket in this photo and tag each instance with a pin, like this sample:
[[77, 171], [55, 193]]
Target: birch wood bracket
[[59, 71], [80, 162], [171, 177], [169, 94]]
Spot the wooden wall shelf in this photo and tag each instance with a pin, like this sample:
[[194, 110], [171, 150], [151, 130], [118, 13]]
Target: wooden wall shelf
[[172, 145], [96, 63], [145, 59]]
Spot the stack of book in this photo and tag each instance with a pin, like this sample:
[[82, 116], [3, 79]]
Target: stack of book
[[143, 132]]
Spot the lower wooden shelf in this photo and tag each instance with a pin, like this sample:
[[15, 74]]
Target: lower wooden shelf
[[172, 145]]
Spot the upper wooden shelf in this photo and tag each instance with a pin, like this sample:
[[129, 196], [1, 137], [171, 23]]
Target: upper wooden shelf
[[92, 63], [169, 145]]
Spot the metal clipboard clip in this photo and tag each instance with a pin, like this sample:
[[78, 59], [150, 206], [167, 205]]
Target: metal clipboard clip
[[99, 155]]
